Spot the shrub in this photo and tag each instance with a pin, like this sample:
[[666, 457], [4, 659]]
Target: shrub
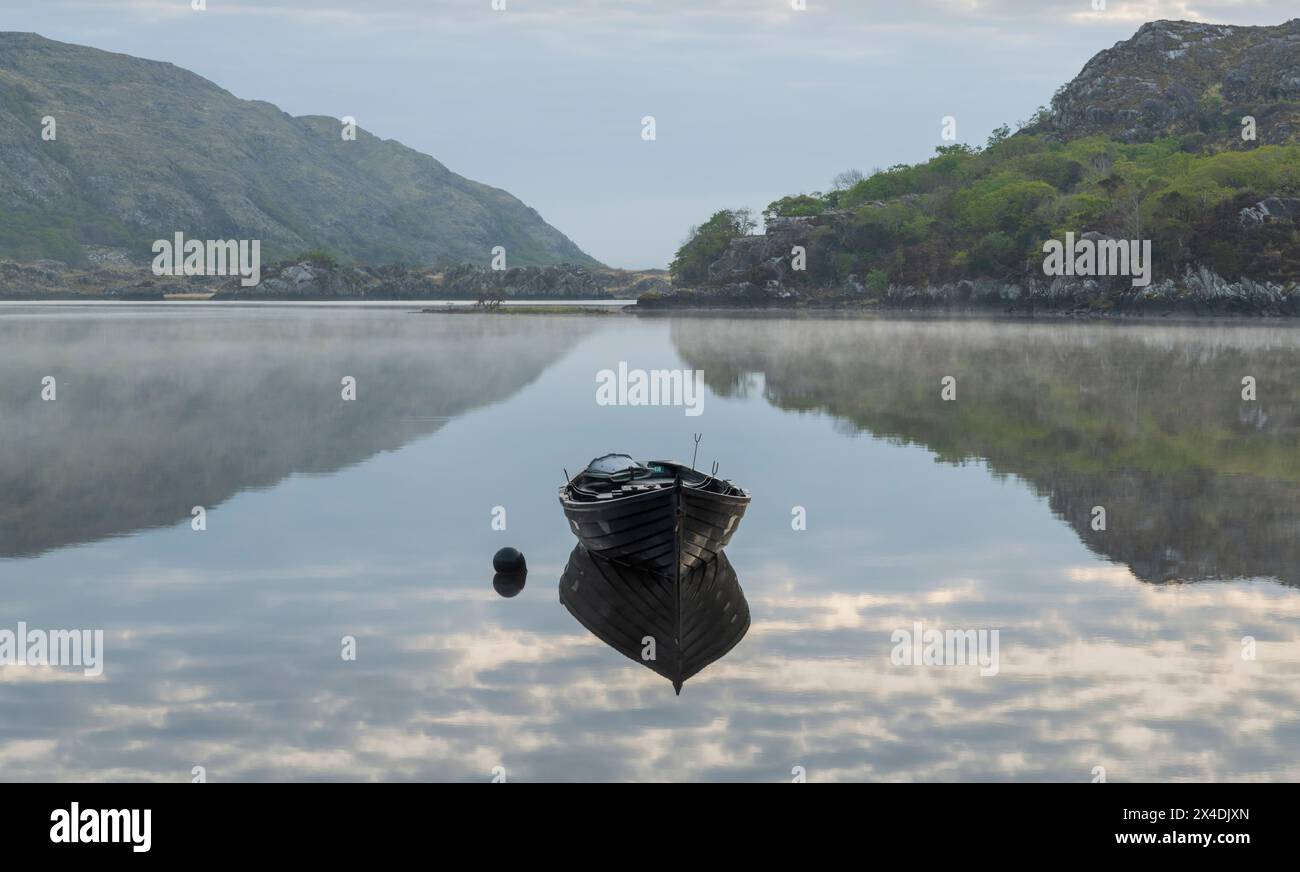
[[877, 283], [707, 242], [798, 206], [319, 257]]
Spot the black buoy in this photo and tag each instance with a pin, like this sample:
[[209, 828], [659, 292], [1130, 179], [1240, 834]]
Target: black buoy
[[512, 571], [509, 584], [509, 560]]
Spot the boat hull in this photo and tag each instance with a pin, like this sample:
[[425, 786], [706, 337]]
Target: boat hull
[[641, 531]]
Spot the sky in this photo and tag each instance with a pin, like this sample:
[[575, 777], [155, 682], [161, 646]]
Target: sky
[[752, 100]]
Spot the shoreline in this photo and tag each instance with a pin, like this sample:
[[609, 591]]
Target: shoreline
[[631, 308], [456, 305], [982, 312]]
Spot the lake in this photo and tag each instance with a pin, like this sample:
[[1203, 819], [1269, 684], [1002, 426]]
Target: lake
[[907, 476]]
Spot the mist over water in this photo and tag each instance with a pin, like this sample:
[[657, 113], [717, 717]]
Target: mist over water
[[1119, 647]]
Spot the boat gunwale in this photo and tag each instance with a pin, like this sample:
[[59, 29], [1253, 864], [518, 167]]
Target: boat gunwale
[[743, 497]]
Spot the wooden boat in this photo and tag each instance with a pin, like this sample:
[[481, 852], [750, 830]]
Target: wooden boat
[[659, 515], [693, 620], [191, 295]]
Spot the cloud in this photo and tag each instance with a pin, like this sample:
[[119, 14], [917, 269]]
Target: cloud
[[688, 19]]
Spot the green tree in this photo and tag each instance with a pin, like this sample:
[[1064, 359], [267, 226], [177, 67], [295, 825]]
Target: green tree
[[877, 283], [998, 135], [706, 243], [798, 206]]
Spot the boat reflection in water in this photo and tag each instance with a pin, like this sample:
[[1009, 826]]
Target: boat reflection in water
[[675, 628]]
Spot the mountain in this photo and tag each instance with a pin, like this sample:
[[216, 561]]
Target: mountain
[[1185, 78], [143, 150], [1146, 145]]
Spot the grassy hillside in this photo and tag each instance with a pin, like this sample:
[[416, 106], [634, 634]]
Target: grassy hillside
[[146, 149]]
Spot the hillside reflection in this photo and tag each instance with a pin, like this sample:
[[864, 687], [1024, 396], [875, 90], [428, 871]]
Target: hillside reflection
[[1146, 421], [155, 414]]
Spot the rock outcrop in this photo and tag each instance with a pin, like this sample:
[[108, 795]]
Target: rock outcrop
[[1271, 209], [758, 271], [319, 279], [1197, 292], [1185, 78]]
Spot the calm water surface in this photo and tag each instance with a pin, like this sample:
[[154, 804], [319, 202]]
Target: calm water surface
[[1120, 648]]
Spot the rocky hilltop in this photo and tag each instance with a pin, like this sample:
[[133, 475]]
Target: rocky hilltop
[[1185, 78], [142, 150]]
